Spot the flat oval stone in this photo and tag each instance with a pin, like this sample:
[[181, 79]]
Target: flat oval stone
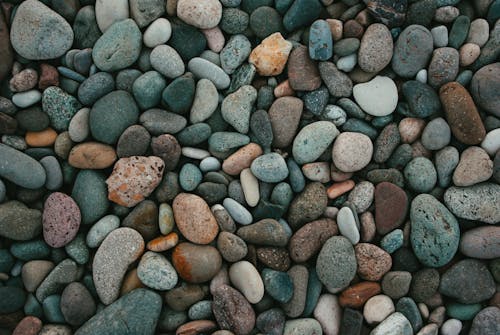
[[336, 264], [270, 168], [378, 97], [412, 51], [118, 250], [477, 202], [119, 46], [140, 310], [461, 114], [320, 41], [352, 151], [444, 66], [18, 222], [391, 207], [232, 311], [245, 277], [313, 140], [204, 15], [194, 218], [357, 295], [90, 194], [196, 263], [491, 142], [375, 51], [203, 68], [158, 32], [167, 61], [303, 74], [61, 219], [155, 271], [430, 217], [484, 84], [237, 211], [92, 155], [35, 24], [307, 241], [436, 134], [205, 101], [420, 174], [481, 242], [347, 225], [101, 229], [20, 168]]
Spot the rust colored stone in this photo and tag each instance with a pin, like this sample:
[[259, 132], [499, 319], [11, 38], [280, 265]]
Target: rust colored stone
[[356, 295]]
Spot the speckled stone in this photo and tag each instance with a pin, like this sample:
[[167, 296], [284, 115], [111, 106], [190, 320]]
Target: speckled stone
[[61, 219], [336, 263]]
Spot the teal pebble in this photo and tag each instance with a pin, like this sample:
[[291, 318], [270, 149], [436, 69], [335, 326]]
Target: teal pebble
[[283, 5], [6, 261], [60, 107], [346, 46], [144, 61], [170, 320], [316, 101], [179, 94], [77, 250], [278, 285], [90, 192], [458, 32], [261, 128], [237, 211], [125, 79], [52, 310], [194, 134], [148, 88], [270, 168], [210, 164], [225, 142], [282, 194], [494, 12], [12, 299], [301, 13], [266, 209], [320, 41], [33, 307], [188, 41], [314, 288], [360, 126], [251, 5], [202, 310], [382, 121], [265, 21], [392, 241], [351, 108], [420, 174], [85, 28], [234, 21], [400, 157], [242, 76], [409, 309], [190, 177], [95, 87], [234, 53], [464, 77], [313, 140], [288, 230], [69, 85], [70, 74], [297, 179], [265, 97], [422, 99], [464, 312], [30, 250]]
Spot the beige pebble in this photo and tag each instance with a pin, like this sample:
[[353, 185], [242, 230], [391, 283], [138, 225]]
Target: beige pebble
[[283, 89], [378, 308], [336, 28], [250, 186], [410, 129], [215, 39], [317, 171], [469, 52], [368, 227]]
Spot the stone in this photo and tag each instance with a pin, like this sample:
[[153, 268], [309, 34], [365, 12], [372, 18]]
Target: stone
[[391, 207], [109, 12], [118, 250], [271, 55], [352, 151], [483, 86], [61, 219], [486, 321], [308, 205], [491, 142], [301, 13], [305, 326], [378, 308], [313, 140], [204, 15], [443, 67], [461, 114], [376, 48], [237, 211], [140, 310], [19, 222], [35, 24], [167, 61], [234, 53], [134, 141], [147, 89], [469, 52], [146, 12], [60, 107], [90, 194], [347, 225], [264, 232], [475, 166], [194, 218], [429, 216], [144, 219], [232, 311], [245, 277], [160, 122], [29, 325], [206, 100], [92, 155], [468, 281], [285, 114], [396, 323], [378, 97], [396, 284], [420, 174], [412, 51], [436, 134], [21, 169], [480, 242], [188, 41], [480, 203], [373, 262], [85, 27], [13, 299], [357, 295], [237, 106], [303, 74], [24, 80], [300, 279], [77, 304], [338, 83], [155, 271], [119, 46], [203, 68], [34, 272], [133, 179], [269, 168], [336, 264], [320, 41], [64, 273], [390, 12]]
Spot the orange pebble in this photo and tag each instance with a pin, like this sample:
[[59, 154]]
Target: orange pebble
[[355, 296], [283, 90], [241, 159], [44, 138], [338, 189], [163, 243]]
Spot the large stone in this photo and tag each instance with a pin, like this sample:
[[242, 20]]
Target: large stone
[[375, 51], [412, 51], [478, 202], [18, 222]]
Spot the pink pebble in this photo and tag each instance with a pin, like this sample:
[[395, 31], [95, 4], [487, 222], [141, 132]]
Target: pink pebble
[[61, 219]]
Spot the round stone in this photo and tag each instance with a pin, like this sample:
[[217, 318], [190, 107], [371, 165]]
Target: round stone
[[436, 134], [421, 174], [475, 166], [245, 277], [378, 97], [484, 84], [373, 262], [158, 32], [61, 219], [196, 263], [378, 308], [167, 61], [155, 271], [375, 51], [204, 15], [270, 168], [352, 151], [77, 304], [412, 50], [313, 140]]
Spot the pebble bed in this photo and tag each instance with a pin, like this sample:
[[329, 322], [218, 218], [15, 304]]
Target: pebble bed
[[236, 167]]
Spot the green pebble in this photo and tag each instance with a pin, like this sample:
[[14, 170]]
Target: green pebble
[[148, 88], [179, 94], [52, 310], [188, 41], [464, 312], [458, 32], [420, 174], [212, 192], [60, 107], [301, 13], [392, 241], [201, 310], [270, 168], [27, 251], [346, 46], [32, 119], [77, 250], [265, 97], [297, 179], [194, 134], [242, 76], [125, 79], [91, 195], [225, 141], [400, 157], [314, 287], [190, 177], [382, 121], [278, 285], [234, 21], [409, 309], [265, 21], [33, 307], [360, 126], [282, 194]]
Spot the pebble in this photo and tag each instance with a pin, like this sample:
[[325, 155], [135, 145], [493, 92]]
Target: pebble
[[77, 304], [378, 97], [140, 308], [491, 142], [264, 232], [320, 41], [321, 134], [396, 323], [436, 134], [305, 326], [92, 155], [101, 229], [64, 273], [336, 263], [396, 284], [284, 115], [378, 308], [357, 295], [269, 168], [155, 271], [194, 218], [487, 320], [21, 169], [480, 203], [271, 321], [119, 46], [479, 32], [60, 107], [412, 51], [300, 278], [237, 106], [24, 80], [475, 166], [29, 325], [483, 86], [391, 207], [202, 16], [250, 186], [245, 277], [352, 151], [373, 262], [347, 225], [278, 285], [61, 220], [232, 311], [19, 222], [480, 242], [167, 61], [140, 175], [36, 24], [421, 174], [205, 101], [303, 74], [237, 211], [271, 55], [107, 13], [203, 68], [451, 327], [338, 83], [376, 48], [90, 194], [469, 52], [158, 32], [34, 272], [234, 53], [443, 67]]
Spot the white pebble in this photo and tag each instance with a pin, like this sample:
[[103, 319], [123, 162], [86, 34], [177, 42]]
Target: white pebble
[[328, 313], [245, 277], [378, 308], [347, 225], [378, 97], [157, 33], [210, 164], [195, 153], [422, 76], [27, 98], [491, 142], [250, 186], [347, 63], [440, 36], [451, 327]]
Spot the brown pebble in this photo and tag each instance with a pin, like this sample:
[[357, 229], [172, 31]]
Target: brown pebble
[[275, 258], [391, 207], [352, 28], [196, 263], [303, 73], [337, 189], [30, 325], [410, 129], [48, 76], [368, 228], [283, 89], [92, 155], [356, 295], [44, 138], [336, 28], [373, 262], [167, 148], [241, 159], [461, 114], [232, 311], [24, 80], [180, 298], [196, 327], [130, 282], [309, 239], [284, 115]]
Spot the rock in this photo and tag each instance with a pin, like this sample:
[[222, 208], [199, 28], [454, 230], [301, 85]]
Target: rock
[[358, 294], [35, 24], [308, 240], [491, 142], [196, 263], [420, 174], [194, 218], [378, 308], [155, 271], [312, 141], [486, 321], [301, 13], [60, 107], [396, 323], [109, 12], [29, 325], [13, 299], [237, 211], [270, 57], [469, 52], [391, 207], [308, 205], [412, 51], [338, 83], [64, 273], [347, 225], [264, 232], [119, 46], [270, 168], [436, 134], [443, 67], [245, 277], [377, 97], [101, 229], [271, 322], [476, 202], [205, 101], [85, 28], [446, 160], [429, 216], [21, 169], [390, 12], [133, 179], [234, 53], [118, 250], [6, 52], [34, 272], [146, 12], [461, 113], [336, 264], [140, 310], [285, 114], [481, 242], [305, 326], [144, 219], [18, 222], [396, 284], [468, 281], [200, 15], [24, 80], [373, 262], [278, 285], [303, 73], [475, 166], [237, 106], [203, 68], [163, 123], [300, 279], [232, 311], [92, 155], [352, 151], [61, 220], [320, 41], [376, 48], [77, 304], [90, 194], [167, 61], [231, 246], [483, 86]]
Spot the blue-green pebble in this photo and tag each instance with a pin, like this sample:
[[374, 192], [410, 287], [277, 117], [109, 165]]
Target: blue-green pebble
[[278, 285], [190, 177], [148, 88], [392, 241]]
